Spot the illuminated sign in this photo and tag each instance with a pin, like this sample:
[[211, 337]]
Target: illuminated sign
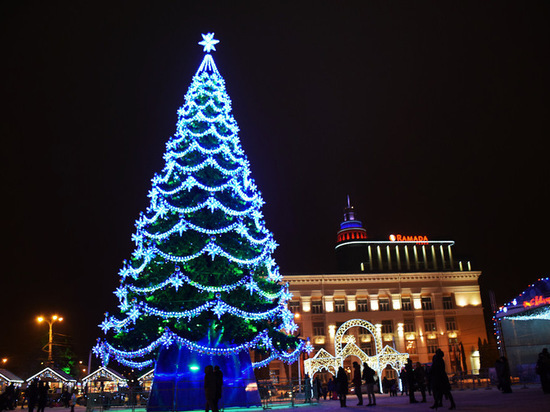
[[536, 301], [403, 238]]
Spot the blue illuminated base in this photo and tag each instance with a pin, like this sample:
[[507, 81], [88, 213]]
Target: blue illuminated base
[[178, 384]]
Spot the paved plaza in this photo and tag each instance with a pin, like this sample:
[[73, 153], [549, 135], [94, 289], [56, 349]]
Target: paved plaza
[[522, 399]]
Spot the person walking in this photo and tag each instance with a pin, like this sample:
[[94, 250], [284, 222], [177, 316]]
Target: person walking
[[43, 389], [32, 395], [368, 377], [210, 389], [331, 387], [307, 389], [440, 381], [357, 383], [410, 380], [317, 388], [218, 376], [342, 386], [543, 370], [72, 401], [420, 378], [404, 381]]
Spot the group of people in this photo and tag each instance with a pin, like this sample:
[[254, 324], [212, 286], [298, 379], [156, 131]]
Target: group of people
[[213, 383], [414, 378]]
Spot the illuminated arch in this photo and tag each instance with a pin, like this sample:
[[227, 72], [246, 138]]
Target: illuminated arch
[[340, 333]]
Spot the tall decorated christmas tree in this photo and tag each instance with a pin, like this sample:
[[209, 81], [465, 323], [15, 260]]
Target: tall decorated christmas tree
[[201, 286]]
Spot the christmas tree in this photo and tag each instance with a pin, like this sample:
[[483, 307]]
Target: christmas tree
[[203, 259]]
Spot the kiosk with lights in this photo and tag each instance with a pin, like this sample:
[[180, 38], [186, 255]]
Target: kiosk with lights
[[201, 286], [523, 328]]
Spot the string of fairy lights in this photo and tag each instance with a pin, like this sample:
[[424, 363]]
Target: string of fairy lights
[[205, 144]]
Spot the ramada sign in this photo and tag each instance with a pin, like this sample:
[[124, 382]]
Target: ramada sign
[[403, 238]]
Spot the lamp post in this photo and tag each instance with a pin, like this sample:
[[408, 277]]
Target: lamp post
[[50, 322]]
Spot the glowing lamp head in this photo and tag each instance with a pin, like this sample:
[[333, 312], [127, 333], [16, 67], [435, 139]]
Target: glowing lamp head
[[40, 319]]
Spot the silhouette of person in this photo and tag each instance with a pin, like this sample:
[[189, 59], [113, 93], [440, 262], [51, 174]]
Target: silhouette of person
[[420, 378], [210, 389], [32, 395], [410, 380], [440, 381], [43, 388], [357, 383], [342, 386], [543, 370], [368, 377]]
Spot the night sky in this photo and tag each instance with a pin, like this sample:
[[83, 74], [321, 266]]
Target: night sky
[[432, 116]]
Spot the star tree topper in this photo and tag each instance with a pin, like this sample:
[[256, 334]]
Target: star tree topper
[[209, 42]]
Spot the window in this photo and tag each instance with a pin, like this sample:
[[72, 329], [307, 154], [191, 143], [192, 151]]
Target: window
[[447, 302], [387, 326], [318, 329], [410, 346], [427, 303], [429, 325], [431, 345], [384, 304], [362, 305], [408, 325], [316, 306], [368, 348], [450, 323], [294, 306], [406, 304], [340, 305]]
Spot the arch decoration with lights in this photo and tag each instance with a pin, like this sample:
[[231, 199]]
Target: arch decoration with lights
[[344, 346]]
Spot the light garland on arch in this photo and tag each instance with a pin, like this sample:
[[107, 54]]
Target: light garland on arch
[[204, 209]]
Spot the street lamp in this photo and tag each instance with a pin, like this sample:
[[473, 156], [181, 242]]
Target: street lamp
[[54, 319]]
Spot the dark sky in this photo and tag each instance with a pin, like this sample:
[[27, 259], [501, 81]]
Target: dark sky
[[432, 116]]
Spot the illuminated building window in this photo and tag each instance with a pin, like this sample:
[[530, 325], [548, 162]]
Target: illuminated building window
[[362, 305], [294, 306], [340, 306], [318, 329], [384, 304], [406, 303], [410, 346], [429, 325], [316, 306], [450, 323], [387, 326], [431, 344], [427, 303], [408, 325], [447, 302], [368, 348]]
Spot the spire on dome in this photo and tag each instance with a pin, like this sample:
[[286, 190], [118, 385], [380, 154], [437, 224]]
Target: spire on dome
[[351, 228], [349, 212]]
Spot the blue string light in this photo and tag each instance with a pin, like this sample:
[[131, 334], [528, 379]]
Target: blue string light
[[206, 174]]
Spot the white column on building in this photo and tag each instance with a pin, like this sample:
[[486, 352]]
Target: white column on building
[[398, 257], [407, 258], [434, 257]]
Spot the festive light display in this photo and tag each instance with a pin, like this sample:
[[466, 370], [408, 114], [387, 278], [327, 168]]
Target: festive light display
[[531, 304], [203, 256], [105, 374], [344, 346]]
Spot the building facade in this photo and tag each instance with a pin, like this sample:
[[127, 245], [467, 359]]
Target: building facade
[[409, 287]]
